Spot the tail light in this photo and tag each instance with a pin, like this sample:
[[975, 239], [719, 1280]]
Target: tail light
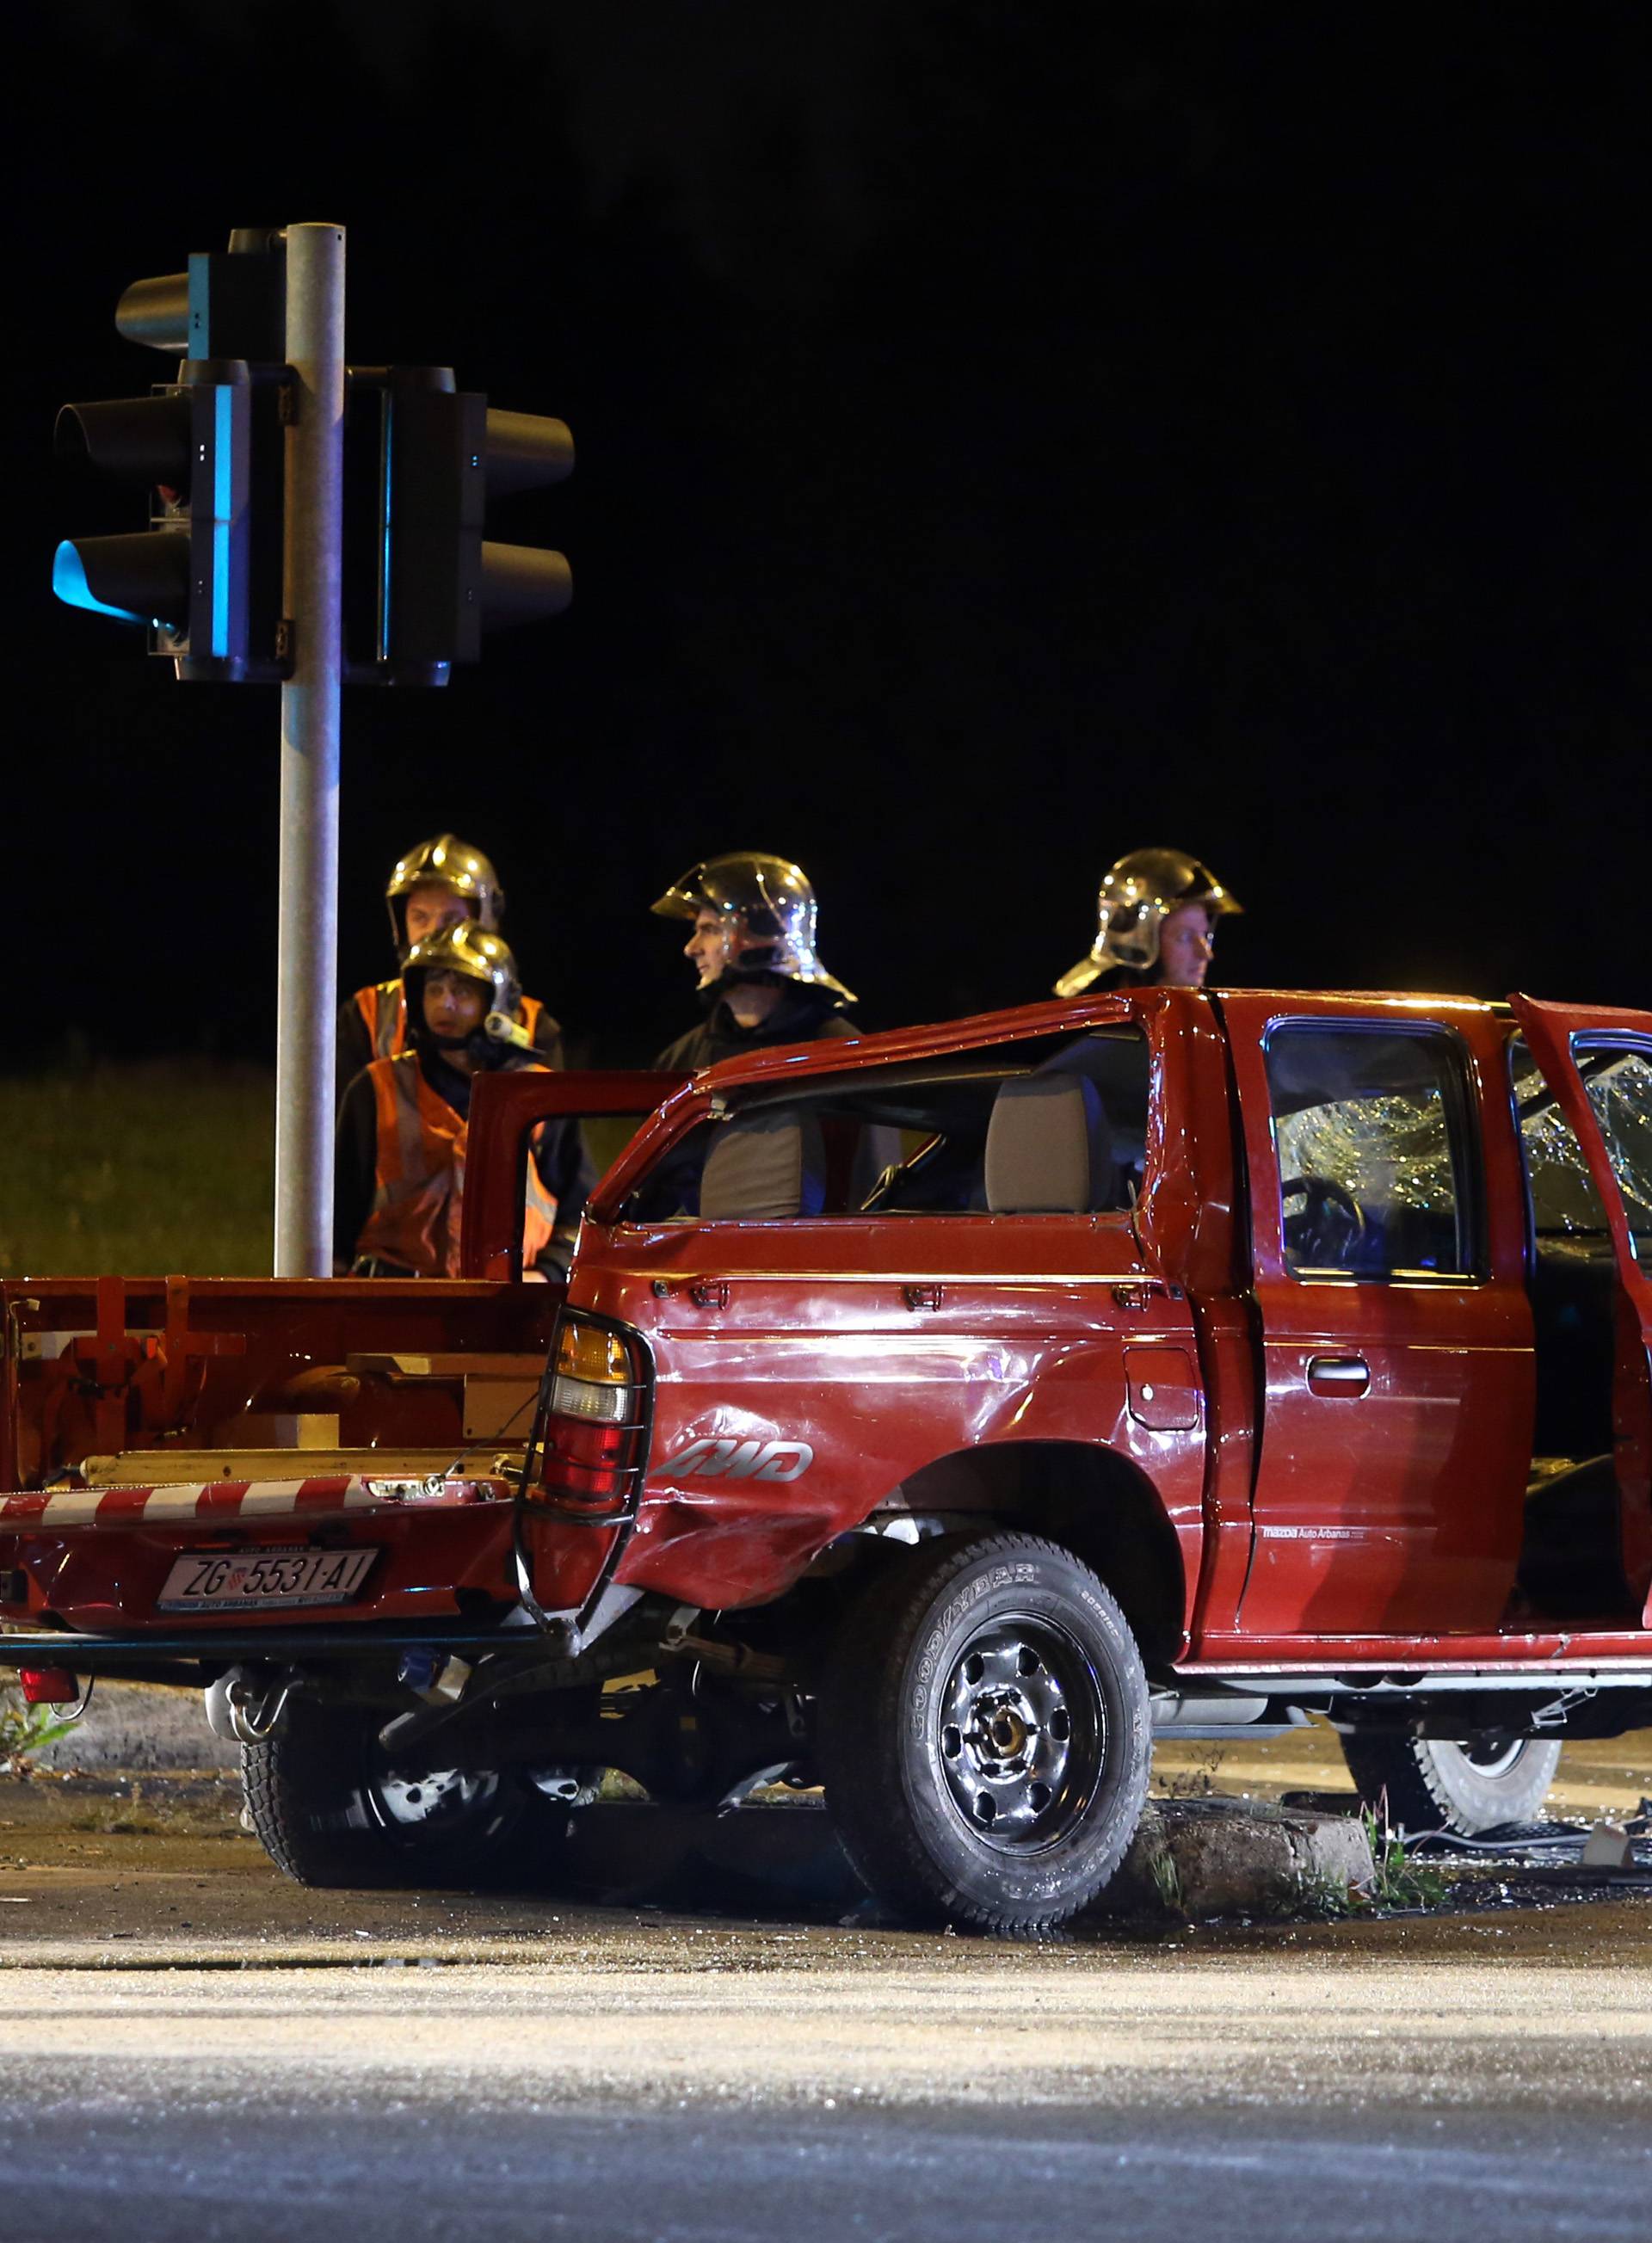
[[48, 1686], [593, 1434]]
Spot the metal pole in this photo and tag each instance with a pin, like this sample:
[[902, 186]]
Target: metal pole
[[307, 930]]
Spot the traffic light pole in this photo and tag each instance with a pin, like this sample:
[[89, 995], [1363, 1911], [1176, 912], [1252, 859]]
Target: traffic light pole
[[307, 908]]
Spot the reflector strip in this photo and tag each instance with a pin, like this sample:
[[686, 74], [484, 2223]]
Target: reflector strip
[[67, 1510], [220, 1499], [172, 1503]]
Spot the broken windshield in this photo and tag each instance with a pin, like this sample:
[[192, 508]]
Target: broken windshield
[[1618, 1079], [1565, 1204]]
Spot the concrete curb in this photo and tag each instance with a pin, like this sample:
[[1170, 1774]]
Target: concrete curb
[[1207, 1857]]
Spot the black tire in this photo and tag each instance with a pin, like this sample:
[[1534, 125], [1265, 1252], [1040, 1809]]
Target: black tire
[[984, 1736], [330, 1811], [1425, 1784]]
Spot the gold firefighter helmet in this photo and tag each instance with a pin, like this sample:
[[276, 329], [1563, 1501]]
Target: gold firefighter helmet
[[1139, 894], [768, 903], [447, 862], [479, 955]]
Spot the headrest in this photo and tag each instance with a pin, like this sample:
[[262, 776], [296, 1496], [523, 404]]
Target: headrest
[[1048, 1149], [765, 1167]]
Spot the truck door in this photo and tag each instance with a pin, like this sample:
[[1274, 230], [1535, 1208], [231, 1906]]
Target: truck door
[[1397, 1375], [505, 1112], [1599, 1065]]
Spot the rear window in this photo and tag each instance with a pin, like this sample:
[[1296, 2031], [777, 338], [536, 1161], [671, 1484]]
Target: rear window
[[1373, 1132]]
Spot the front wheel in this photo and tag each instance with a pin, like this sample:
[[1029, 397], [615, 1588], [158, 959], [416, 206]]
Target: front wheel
[[1428, 1783], [330, 1809], [984, 1735]]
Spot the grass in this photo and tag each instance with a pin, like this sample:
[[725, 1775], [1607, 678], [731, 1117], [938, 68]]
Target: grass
[[1401, 1880], [1167, 1881], [137, 1171], [25, 1729]]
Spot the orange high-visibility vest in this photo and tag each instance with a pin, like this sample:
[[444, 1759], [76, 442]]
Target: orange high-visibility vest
[[419, 1178], [383, 1006]]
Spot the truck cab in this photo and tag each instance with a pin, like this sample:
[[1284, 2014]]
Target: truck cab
[[939, 1416]]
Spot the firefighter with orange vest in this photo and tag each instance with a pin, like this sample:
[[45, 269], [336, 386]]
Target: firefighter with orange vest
[[441, 883], [399, 1172]]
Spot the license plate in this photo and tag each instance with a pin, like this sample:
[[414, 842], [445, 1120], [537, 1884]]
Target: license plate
[[264, 1580]]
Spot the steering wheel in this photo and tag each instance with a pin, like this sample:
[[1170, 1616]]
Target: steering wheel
[[1330, 1226]]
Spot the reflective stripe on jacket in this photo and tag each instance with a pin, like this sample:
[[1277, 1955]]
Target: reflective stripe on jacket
[[383, 1007], [419, 1178]]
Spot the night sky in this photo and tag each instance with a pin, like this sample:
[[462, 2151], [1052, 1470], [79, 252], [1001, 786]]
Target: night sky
[[1006, 437]]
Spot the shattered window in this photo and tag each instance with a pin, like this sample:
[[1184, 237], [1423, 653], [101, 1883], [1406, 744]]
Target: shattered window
[[1371, 1127], [1619, 1081], [1565, 1204]]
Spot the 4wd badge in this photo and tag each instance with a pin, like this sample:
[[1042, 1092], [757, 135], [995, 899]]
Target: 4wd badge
[[727, 1459]]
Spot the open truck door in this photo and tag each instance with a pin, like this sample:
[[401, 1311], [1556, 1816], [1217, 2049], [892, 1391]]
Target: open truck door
[[1598, 1065], [507, 1112]]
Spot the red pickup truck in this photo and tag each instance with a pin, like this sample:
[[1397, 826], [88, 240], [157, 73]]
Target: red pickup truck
[[939, 1415]]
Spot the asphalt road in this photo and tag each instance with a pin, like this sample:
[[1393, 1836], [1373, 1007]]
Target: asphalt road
[[191, 2048], [777, 2083]]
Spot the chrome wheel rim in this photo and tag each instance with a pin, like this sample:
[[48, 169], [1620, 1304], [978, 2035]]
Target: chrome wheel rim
[[433, 1803], [1493, 1756], [1021, 1735]]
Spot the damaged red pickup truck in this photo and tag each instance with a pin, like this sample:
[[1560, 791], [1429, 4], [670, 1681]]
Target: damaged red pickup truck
[[939, 1415]]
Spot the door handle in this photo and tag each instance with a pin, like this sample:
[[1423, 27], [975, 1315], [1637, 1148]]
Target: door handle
[[710, 1292], [1142, 1292], [1347, 1375], [921, 1296]]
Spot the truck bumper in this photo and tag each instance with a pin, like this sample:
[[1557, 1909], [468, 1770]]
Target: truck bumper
[[97, 1560]]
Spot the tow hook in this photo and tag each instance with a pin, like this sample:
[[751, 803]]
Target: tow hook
[[246, 1705]]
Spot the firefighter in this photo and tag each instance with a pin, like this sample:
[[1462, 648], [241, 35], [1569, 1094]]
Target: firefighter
[[441, 883], [399, 1183], [752, 947], [1157, 912]]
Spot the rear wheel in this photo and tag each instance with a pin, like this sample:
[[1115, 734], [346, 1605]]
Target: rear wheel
[[331, 1808], [1429, 1783], [984, 1736]]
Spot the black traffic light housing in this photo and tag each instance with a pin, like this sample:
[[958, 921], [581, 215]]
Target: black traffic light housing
[[423, 459], [205, 577]]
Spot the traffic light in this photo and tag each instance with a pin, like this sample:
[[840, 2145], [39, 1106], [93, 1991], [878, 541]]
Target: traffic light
[[423, 460], [206, 575], [193, 577]]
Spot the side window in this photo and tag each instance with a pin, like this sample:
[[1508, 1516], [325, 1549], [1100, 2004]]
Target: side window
[[1618, 1079], [1373, 1132], [1050, 1125], [1564, 1201]]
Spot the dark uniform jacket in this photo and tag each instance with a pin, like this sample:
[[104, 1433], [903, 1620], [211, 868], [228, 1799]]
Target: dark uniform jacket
[[802, 1014]]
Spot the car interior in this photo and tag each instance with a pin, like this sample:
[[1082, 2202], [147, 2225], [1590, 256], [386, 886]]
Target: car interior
[[1044, 1126]]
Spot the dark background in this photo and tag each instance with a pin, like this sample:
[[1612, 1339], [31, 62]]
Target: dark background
[[1005, 437]]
